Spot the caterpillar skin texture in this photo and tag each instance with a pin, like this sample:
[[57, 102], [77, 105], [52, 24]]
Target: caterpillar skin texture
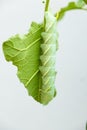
[[48, 59]]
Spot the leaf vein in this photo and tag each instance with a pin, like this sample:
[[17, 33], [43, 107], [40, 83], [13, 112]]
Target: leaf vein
[[35, 73]]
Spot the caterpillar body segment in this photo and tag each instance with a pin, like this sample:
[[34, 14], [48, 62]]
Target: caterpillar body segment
[[48, 59]]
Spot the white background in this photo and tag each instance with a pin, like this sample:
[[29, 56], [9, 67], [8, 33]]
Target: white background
[[68, 111]]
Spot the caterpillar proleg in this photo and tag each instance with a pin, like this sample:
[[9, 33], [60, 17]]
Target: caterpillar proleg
[[48, 58]]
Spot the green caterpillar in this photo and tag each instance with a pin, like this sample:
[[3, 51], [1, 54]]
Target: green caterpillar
[[48, 58], [34, 54]]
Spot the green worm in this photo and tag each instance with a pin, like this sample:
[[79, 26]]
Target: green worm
[[48, 58]]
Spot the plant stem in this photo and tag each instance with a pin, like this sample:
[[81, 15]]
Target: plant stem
[[47, 5], [86, 125], [46, 9]]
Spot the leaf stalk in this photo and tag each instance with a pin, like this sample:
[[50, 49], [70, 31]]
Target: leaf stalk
[[47, 5]]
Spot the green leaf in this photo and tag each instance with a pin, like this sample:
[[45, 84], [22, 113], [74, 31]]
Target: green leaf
[[85, 1], [24, 52], [71, 6]]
